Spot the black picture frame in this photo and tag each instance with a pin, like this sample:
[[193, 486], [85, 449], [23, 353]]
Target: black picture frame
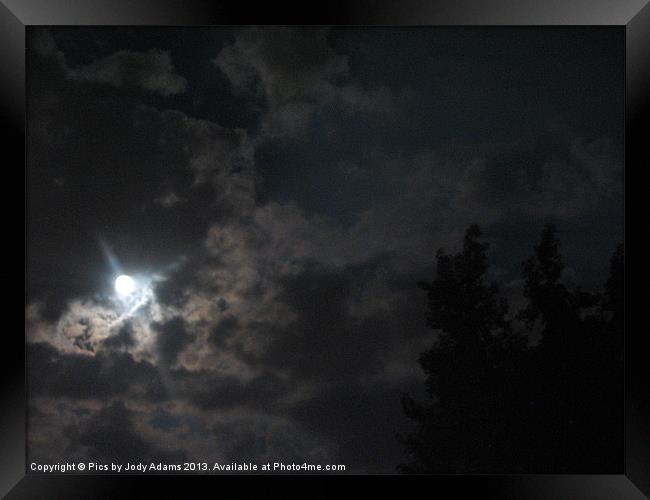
[[633, 16]]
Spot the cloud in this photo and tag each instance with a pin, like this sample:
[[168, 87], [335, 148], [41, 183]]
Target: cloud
[[296, 73], [152, 70], [123, 339], [169, 200], [221, 156], [585, 175], [171, 339], [109, 435], [264, 438], [268, 288], [81, 377]]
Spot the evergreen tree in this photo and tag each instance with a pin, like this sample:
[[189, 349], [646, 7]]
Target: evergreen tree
[[499, 405], [461, 430], [575, 372]]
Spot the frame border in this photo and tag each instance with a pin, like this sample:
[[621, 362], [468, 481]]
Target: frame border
[[632, 15]]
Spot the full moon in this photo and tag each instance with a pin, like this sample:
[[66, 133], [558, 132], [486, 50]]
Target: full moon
[[124, 285]]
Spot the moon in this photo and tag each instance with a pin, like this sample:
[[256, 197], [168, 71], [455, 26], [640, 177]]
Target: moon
[[124, 285]]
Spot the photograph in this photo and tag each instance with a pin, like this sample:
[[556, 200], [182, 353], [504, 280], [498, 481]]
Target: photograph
[[325, 249]]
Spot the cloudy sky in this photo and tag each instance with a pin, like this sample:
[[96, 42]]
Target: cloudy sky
[[276, 193]]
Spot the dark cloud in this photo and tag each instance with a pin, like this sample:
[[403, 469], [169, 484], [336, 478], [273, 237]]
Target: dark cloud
[[171, 339], [215, 154], [324, 340], [82, 376], [110, 435], [124, 338], [151, 70], [173, 290], [570, 180], [224, 332], [267, 437], [296, 73], [83, 340], [208, 390]]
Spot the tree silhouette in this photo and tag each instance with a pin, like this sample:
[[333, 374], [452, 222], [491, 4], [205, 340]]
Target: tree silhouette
[[471, 358], [499, 404]]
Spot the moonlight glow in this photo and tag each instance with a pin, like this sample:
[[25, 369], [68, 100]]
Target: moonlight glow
[[124, 285]]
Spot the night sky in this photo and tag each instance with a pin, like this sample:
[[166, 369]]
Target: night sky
[[277, 193]]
